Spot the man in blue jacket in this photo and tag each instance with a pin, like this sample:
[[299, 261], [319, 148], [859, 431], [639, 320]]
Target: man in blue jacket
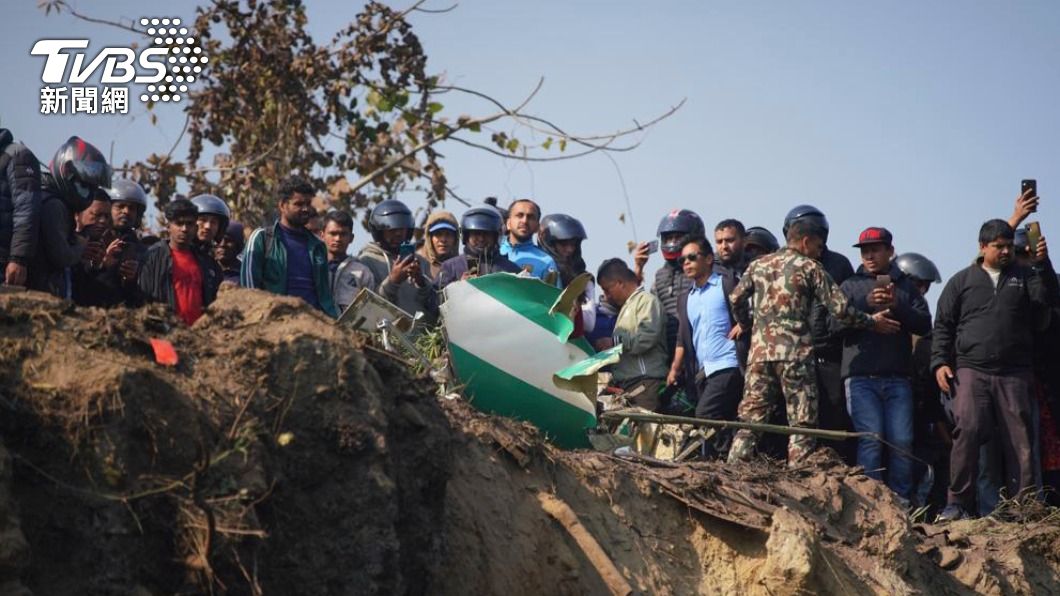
[[524, 220], [877, 367]]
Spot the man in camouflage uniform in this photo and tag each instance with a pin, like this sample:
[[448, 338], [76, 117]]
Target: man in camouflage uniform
[[785, 285]]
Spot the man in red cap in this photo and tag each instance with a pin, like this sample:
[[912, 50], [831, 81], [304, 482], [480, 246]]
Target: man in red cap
[[876, 367]]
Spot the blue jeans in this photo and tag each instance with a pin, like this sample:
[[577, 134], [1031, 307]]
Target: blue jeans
[[884, 405]]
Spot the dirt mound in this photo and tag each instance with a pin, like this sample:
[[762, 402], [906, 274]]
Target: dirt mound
[[282, 456]]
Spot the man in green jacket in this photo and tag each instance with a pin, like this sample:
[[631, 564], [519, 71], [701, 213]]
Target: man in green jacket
[[285, 258], [641, 330]]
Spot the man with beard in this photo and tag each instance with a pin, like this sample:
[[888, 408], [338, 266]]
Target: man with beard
[[176, 272], [524, 220], [481, 228], [730, 236], [285, 258], [75, 175]]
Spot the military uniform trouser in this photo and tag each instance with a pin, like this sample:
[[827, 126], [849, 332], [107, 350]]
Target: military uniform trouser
[[766, 385]]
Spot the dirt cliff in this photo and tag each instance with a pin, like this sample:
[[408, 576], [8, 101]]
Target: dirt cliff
[[282, 455]]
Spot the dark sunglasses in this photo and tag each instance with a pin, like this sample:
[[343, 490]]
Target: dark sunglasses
[[691, 258]]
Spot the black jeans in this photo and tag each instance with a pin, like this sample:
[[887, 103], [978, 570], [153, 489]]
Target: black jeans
[[719, 397]]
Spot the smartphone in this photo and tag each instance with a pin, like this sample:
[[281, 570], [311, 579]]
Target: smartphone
[[472, 266], [406, 250], [1034, 234], [653, 247], [1029, 184], [882, 281]]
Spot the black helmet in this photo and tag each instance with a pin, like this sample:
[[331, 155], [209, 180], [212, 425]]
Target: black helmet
[[390, 214], [213, 205], [806, 212], [918, 267], [79, 171], [762, 237], [559, 226], [123, 190], [481, 219], [681, 221]]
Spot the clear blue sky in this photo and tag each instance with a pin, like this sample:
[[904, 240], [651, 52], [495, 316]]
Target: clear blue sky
[[918, 116]]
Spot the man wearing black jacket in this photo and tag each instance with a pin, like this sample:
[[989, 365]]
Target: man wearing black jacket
[[876, 367], [20, 198], [76, 174], [983, 354], [176, 272]]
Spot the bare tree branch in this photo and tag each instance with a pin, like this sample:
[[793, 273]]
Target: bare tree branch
[[528, 158], [62, 4], [187, 120], [555, 130], [448, 189], [435, 10]]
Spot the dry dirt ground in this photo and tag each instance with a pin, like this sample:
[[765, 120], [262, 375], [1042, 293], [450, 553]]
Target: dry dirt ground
[[283, 456]]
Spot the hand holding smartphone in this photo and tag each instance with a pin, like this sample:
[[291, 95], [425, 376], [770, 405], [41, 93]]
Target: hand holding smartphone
[[1029, 193], [883, 293], [1034, 234], [407, 249]]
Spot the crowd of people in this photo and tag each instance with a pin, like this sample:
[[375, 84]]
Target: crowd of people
[[735, 325]]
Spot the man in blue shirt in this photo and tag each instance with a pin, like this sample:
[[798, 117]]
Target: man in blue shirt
[[524, 219], [706, 356]]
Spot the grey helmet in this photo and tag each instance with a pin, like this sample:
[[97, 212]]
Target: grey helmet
[[918, 267], [123, 190], [213, 205], [481, 219], [390, 214], [559, 226]]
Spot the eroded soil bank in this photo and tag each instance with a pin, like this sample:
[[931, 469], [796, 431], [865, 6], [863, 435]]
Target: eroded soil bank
[[282, 456]]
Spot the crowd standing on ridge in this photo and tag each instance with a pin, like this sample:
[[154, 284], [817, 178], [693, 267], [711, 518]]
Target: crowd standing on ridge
[[739, 326]]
